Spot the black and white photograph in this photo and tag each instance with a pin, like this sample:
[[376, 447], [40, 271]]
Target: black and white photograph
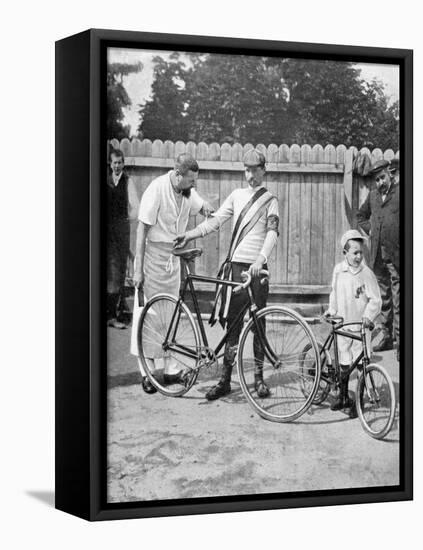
[[253, 275]]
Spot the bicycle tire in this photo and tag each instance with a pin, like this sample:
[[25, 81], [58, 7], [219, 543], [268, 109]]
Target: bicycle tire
[[376, 426], [282, 375], [152, 329]]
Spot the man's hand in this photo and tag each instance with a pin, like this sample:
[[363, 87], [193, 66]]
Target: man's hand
[[207, 209], [181, 240], [367, 323], [256, 267], [138, 279]]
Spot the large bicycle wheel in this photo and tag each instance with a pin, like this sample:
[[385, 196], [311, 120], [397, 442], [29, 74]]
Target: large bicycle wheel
[[168, 345], [376, 402], [307, 381], [278, 349]]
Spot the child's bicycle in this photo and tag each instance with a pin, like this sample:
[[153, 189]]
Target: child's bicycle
[[375, 394], [272, 341]]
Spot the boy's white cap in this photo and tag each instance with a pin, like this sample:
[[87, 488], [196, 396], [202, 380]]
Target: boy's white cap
[[351, 234]]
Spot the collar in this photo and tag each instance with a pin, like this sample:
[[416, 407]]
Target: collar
[[116, 179], [353, 270]]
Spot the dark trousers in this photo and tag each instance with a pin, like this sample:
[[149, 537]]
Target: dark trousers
[[387, 275], [238, 302], [117, 258]]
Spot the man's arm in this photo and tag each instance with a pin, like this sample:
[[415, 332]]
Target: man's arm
[[363, 215], [142, 231]]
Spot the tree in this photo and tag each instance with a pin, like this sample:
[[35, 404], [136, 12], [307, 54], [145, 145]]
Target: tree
[[118, 98], [163, 116], [268, 100]]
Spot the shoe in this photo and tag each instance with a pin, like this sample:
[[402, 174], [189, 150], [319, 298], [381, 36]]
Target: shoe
[[261, 388], [114, 323], [219, 390], [147, 386], [173, 378], [338, 404], [352, 412], [385, 344]]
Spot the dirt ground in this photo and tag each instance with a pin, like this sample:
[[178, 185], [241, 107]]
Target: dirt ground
[[163, 448]]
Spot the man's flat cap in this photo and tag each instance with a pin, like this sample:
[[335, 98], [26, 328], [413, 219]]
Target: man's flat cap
[[253, 157], [378, 166]]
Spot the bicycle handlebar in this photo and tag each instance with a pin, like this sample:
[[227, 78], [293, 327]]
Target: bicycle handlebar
[[337, 320], [247, 275]]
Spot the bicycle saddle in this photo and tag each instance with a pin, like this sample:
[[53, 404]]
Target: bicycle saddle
[[187, 254]]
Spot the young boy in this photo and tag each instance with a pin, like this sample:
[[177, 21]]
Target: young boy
[[355, 296]]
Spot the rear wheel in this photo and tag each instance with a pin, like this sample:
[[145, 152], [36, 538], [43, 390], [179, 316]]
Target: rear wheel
[[168, 345], [277, 351], [375, 397]]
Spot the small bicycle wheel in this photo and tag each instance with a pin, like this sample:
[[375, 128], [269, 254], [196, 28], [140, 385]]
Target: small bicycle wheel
[[307, 380], [277, 350], [375, 400], [168, 345]]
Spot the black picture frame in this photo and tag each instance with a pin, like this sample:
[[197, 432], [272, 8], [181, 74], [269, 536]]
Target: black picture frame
[[80, 338]]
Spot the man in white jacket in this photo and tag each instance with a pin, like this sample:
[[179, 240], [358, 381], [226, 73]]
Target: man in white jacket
[[355, 296]]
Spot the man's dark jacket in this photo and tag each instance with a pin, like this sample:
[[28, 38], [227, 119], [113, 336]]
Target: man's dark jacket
[[381, 220]]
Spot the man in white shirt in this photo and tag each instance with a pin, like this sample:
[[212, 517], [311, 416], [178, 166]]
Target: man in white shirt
[[255, 220], [164, 212]]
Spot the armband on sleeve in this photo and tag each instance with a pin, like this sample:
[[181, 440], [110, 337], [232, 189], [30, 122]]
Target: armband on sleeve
[[273, 223]]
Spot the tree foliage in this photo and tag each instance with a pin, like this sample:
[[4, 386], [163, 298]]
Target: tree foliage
[[118, 98], [267, 100]]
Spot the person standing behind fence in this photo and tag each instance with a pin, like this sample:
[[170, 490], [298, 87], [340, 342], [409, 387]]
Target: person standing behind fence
[[122, 206], [255, 218], [164, 211], [379, 216]]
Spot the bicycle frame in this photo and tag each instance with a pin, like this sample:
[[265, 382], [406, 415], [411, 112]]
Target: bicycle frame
[[188, 285], [363, 357]]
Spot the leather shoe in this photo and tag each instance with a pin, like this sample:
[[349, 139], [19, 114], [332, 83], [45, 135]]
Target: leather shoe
[[147, 386], [173, 378], [352, 412], [385, 344], [114, 323], [220, 390], [261, 388]]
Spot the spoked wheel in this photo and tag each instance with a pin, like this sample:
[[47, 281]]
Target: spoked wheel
[[376, 402], [168, 345], [278, 351], [308, 375]]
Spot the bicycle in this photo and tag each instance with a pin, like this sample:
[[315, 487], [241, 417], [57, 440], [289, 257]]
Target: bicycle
[[272, 340], [375, 394]]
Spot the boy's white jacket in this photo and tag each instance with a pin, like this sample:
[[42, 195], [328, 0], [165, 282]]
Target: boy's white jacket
[[355, 293]]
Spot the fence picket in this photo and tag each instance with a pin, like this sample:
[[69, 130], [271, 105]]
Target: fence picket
[[295, 153], [157, 149], [305, 154], [146, 148], [202, 151], [180, 148], [191, 149], [272, 153], [340, 154], [225, 151], [237, 152], [214, 151]]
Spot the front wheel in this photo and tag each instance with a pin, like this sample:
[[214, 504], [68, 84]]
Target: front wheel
[[168, 345], [274, 348], [375, 397]]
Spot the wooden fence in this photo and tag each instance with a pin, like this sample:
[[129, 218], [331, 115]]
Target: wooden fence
[[317, 191]]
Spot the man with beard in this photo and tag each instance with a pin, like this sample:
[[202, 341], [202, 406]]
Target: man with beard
[[164, 211], [379, 216], [255, 219]]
